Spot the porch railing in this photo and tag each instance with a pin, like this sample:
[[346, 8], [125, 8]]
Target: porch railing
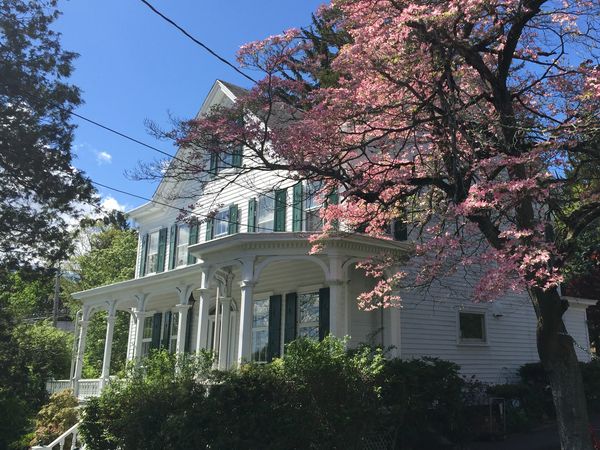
[[68, 437], [85, 388]]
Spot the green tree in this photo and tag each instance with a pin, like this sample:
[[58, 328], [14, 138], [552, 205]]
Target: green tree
[[39, 187], [109, 259]]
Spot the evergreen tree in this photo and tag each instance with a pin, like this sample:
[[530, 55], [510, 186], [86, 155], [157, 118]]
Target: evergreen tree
[[39, 187]]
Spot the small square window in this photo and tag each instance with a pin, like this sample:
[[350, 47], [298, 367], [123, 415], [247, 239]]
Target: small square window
[[472, 327]]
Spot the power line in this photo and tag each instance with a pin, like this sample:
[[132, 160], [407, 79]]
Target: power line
[[196, 41]]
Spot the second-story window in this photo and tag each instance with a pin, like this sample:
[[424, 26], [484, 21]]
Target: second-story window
[[265, 214], [152, 256], [312, 207], [221, 223], [183, 238]]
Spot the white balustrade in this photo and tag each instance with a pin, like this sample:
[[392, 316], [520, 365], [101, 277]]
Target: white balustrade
[[54, 386], [63, 439], [89, 388]]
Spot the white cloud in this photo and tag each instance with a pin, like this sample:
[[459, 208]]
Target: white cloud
[[103, 157], [110, 203]]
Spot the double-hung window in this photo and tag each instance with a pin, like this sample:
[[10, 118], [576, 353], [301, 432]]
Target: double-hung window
[[308, 315], [265, 214], [312, 207], [221, 223], [183, 238], [260, 330], [147, 335], [152, 255]]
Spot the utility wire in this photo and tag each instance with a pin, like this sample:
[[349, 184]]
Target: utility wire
[[196, 41]]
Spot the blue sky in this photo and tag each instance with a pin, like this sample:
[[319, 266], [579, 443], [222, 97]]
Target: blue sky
[[134, 66]]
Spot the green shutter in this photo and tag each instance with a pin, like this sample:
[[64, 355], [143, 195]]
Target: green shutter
[[233, 226], [173, 247], [156, 323], [214, 160], [144, 255], [162, 250], [194, 231], [291, 302], [323, 313], [252, 215], [280, 206], [297, 207], [274, 346], [237, 156], [188, 327], [167, 330], [209, 229]]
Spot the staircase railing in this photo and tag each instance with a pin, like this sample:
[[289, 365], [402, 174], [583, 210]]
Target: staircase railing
[[63, 439]]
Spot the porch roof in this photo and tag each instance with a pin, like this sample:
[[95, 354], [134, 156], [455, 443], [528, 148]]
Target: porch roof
[[232, 247]]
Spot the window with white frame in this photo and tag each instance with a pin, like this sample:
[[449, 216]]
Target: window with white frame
[[471, 327], [183, 238], [221, 223], [313, 206], [260, 330], [265, 214], [173, 332], [308, 315], [147, 335], [152, 254]]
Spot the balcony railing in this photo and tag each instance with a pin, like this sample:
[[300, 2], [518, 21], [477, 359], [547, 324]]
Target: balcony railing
[[66, 441]]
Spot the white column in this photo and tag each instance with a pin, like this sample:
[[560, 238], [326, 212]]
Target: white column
[[224, 342], [202, 334], [245, 337], [337, 300], [337, 313], [110, 328], [182, 315], [140, 316], [83, 325]]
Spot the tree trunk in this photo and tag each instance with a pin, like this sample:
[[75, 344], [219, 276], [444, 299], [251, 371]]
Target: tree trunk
[[557, 354]]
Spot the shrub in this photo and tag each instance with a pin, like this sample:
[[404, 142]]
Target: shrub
[[55, 417]]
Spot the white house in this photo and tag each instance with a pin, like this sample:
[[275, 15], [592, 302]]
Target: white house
[[244, 284]]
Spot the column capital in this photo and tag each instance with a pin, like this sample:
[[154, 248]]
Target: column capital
[[247, 284], [110, 318], [84, 323], [141, 314], [335, 282], [182, 307]]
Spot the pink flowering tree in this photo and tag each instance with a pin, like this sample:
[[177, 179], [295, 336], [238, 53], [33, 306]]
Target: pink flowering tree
[[471, 120]]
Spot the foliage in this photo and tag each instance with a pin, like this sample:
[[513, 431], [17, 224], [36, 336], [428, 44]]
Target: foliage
[[40, 187], [45, 352], [109, 258], [316, 396], [55, 417], [27, 296], [29, 355]]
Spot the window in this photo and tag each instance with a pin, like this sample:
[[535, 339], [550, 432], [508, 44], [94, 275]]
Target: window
[[173, 332], [471, 327], [308, 315], [183, 238], [147, 336], [152, 255], [265, 215], [312, 207], [221, 223], [260, 330]]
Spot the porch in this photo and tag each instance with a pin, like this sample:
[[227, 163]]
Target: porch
[[247, 296]]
